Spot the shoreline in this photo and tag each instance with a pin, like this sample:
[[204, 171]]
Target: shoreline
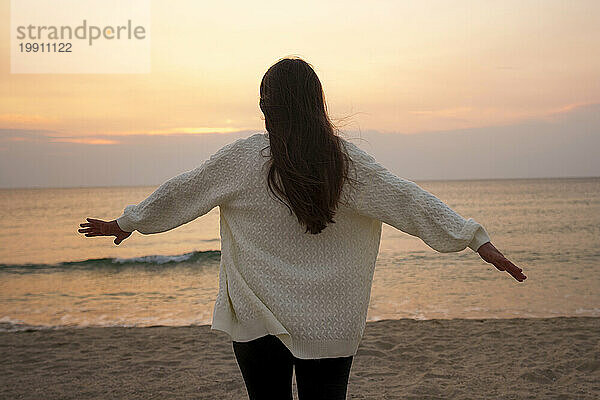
[[34, 328], [18, 327], [557, 357]]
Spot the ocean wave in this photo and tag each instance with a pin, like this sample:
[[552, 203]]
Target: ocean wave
[[208, 257], [8, 324]]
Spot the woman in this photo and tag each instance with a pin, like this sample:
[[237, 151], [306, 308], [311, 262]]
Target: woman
[[300, 219]]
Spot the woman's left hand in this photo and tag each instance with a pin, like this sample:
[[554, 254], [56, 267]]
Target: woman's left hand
[[97, 227], [489, 253]]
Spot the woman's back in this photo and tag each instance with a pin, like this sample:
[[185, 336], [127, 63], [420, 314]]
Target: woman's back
[[310, 290]]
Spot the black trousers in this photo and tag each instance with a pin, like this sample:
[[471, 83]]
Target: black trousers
[[266, 365]]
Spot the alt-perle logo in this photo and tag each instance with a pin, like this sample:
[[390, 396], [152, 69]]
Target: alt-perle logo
[[84, 31]]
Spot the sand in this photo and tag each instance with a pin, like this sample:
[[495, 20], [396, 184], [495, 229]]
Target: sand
[[555, 358]]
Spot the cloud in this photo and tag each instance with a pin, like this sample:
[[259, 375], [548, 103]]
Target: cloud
[[181, 131], [444, 112], [562, 146], [33, 135], [84, 140], [47, 136], [569, 108], [25, 135], [565, 145]]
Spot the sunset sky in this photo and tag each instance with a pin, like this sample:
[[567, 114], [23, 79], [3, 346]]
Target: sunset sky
[[506, 71]]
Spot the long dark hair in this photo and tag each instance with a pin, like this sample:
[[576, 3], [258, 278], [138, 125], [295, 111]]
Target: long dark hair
[[308, 164]]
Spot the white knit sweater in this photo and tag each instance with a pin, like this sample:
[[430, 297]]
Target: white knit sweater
[[311, 291]]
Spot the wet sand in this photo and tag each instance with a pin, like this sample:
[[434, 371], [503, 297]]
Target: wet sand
[[554, 358]]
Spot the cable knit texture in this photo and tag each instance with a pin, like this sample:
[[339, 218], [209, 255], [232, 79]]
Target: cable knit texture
[[311, 291]]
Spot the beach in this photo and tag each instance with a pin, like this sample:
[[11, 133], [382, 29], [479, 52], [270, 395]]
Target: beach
[[534, 358]]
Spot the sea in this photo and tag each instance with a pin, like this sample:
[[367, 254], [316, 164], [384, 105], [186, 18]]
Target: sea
[[52, 277]]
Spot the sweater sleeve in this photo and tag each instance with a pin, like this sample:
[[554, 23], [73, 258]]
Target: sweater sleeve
[[406, 206], [185, 197]]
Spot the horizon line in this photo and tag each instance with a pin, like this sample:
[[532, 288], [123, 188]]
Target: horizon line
[[414, 180]]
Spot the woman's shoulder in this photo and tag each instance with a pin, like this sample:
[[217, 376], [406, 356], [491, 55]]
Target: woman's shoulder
[[357, 155], [238, 147]]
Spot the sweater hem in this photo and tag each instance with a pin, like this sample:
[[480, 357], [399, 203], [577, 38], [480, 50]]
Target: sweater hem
[[303, 349]]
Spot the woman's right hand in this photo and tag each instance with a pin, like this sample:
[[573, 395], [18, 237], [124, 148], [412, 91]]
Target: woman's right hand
[[97, 227], [490, 254]]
